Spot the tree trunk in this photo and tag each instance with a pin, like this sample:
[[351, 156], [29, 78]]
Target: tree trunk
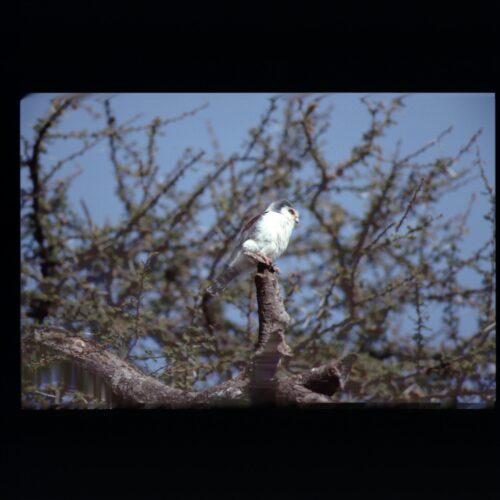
[[257, 384]]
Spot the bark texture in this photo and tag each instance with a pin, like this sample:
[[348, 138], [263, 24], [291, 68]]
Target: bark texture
[[257, 384], [271, 345]]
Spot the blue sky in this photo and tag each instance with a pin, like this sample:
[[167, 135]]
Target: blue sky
[[231, 116]]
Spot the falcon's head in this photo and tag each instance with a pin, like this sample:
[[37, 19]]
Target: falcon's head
[[285, 208]]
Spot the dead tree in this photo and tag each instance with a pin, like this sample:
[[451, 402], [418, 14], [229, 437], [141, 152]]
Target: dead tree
[[257, 384]]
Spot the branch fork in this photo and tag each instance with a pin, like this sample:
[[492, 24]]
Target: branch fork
[[256, 385]]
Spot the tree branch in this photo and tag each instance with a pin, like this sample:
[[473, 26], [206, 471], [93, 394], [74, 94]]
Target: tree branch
[[125, 380], [317, 385], [271, 345], [136, 389]]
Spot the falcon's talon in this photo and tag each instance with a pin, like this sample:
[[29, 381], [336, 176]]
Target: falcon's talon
[[267, 261]]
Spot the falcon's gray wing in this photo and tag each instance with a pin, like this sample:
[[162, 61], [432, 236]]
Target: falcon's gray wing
[[235, 265]]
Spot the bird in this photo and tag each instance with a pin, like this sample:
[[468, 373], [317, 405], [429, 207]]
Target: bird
[[264, 237]]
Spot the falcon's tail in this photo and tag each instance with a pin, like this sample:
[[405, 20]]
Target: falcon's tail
[[220, 283]]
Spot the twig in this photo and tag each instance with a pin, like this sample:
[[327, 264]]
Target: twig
[[410, 204], [483, 175], [138, 304], [152, 202]]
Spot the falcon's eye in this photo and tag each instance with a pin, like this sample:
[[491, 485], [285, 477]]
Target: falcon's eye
[[291, 211]]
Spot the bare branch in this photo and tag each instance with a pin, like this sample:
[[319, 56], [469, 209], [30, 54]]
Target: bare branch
[[134, 388]]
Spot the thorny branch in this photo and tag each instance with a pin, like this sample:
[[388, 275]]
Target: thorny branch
[[135, 389], [349, 273]]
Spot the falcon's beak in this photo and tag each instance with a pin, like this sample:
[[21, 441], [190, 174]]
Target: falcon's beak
[[296, 220]]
